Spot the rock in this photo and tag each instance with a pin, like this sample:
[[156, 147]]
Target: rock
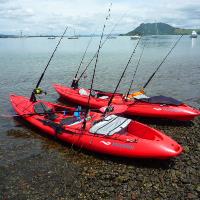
[[191, 196], [198, 188], [105, 183], [187, 149], [119, 197], [133, 196], [111, 189], [122, 179]]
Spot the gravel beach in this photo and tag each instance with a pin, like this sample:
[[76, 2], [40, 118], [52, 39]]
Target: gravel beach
[[39, 167]]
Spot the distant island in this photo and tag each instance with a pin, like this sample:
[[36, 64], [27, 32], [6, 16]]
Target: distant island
[[159, 29], [7, 36], [143, 29]]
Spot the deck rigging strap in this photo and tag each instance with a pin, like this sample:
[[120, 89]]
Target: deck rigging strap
[[33, 98], [138, 63], [110, 101], [150, 78], [59, 129]]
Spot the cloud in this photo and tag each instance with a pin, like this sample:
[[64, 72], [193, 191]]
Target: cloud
[[16, 14], [52, 16], [3, 1], [191, 12]]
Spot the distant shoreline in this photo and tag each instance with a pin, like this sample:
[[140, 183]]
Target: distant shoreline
[[47, 36], [120, 35]]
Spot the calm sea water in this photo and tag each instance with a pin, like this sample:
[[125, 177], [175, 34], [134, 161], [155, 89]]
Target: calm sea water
[[22, 61]]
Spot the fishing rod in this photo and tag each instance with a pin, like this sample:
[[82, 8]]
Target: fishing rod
[[110, 101], [100, 47], [38, 90], [150, 78], [95, 66], [74, 81], [97, 57], [138, 63]]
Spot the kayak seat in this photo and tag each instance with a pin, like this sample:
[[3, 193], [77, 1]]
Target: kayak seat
[[140, 96], [70, 121], [110, 125], [41, 108], [102, 96], [84, 92]]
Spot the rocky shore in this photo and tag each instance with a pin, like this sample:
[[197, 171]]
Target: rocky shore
[[33, 166]]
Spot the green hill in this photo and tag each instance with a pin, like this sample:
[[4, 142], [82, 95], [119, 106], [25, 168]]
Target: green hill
[[7, 36], [159, 29]]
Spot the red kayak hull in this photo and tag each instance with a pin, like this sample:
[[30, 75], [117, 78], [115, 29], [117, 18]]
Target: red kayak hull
[[136, 108], [139, 140]]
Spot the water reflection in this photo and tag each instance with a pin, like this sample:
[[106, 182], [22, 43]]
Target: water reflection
[[194, 40], [161, 41]]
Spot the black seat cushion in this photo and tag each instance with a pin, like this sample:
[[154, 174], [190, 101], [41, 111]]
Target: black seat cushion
[[69, 120], [162, 100], [42, 108]]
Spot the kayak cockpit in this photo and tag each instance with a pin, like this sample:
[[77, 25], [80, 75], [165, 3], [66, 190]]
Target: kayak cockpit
[[143, 131]]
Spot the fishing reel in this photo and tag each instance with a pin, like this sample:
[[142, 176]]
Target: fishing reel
[[39, 91], [93, 93], [36, 91], [74, 84], [109, 109]]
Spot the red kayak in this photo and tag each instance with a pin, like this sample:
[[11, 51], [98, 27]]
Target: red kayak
[[109, 134], [160, 107]]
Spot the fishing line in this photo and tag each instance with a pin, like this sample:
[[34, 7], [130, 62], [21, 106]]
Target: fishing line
[[138, 63], [101, 46], [150, 78], [74, 82], [110, 101], [33, 97], [95, 66]]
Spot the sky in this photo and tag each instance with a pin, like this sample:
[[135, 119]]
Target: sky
[[35, 17]]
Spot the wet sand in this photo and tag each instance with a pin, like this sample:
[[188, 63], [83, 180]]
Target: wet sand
[[40, 167]]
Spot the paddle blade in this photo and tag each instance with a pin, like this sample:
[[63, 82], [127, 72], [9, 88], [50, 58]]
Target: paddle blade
[[114, 109]]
